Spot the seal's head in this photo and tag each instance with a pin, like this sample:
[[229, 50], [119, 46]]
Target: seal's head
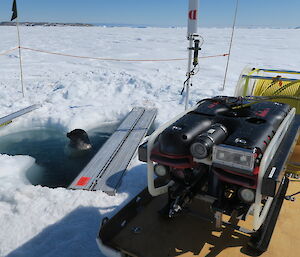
[[79, 141]]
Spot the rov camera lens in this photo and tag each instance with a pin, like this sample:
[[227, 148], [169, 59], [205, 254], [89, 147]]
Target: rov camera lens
[[247, 195], [160, 170], [203, 144]]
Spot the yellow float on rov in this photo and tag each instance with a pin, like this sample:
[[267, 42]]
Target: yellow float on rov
[[274, 85]]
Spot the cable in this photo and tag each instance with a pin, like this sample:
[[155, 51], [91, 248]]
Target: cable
[[291, 197], [276, 80], [263, 98]]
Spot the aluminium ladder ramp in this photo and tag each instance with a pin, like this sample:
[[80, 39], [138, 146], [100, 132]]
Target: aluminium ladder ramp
[[112, 177], [106, 169], [8, 118]]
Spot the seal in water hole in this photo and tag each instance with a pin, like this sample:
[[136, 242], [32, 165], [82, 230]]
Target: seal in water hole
[[79, 143]]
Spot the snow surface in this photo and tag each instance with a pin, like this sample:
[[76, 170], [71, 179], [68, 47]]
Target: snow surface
[[81, 93]]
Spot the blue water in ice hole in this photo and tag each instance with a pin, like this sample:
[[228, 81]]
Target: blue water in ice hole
[[54, 168]]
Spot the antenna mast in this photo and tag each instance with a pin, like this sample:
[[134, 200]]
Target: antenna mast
[[192, 37], [230, 44]]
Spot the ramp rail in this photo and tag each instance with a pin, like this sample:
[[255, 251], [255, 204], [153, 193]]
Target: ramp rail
[[8, 118], [106, 169]]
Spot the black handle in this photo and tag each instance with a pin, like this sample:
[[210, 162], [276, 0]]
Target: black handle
[[196, 51]]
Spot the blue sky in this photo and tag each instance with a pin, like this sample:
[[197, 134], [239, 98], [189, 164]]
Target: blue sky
[[156, 12]]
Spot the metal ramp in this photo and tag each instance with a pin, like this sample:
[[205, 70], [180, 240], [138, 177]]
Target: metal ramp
[[106, 169], [8, 119]]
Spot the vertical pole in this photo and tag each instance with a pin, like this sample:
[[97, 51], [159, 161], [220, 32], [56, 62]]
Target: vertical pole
[[192, 27], [20, 58], [230, 45], [188, 73]]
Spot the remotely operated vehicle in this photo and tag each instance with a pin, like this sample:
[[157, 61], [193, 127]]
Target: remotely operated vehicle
[[221, 151]]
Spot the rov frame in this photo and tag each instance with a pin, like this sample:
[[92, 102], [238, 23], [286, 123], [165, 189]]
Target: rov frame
[[259, 212]]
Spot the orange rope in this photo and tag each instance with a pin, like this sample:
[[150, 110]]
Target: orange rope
[[107, 59], [8, 51], [117, 60], [100, 58], [212, 56]]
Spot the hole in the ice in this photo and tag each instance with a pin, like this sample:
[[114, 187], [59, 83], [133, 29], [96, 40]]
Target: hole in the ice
[[54, 166]]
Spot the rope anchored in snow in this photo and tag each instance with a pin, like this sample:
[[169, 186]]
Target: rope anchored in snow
[[108, 59], [118, 60], [8, 51]]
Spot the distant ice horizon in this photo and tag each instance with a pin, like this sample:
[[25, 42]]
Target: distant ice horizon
[[129, 25]]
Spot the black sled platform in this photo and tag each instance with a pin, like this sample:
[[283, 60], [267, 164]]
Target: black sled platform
[[139, 230]]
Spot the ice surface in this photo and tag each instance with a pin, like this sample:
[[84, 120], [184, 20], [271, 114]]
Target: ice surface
[[39, 221]]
